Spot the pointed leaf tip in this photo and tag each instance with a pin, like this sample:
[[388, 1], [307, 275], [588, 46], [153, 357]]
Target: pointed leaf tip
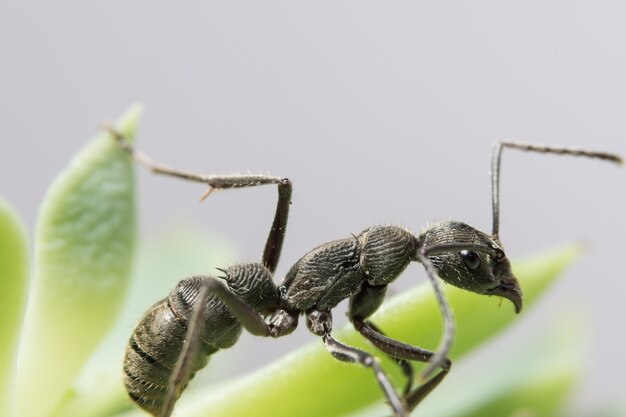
[[84, 244]]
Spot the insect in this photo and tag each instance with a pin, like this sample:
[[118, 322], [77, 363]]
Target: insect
[[204, 314]]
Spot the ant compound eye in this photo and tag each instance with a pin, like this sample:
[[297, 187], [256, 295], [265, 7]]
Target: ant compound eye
[[470, 259]]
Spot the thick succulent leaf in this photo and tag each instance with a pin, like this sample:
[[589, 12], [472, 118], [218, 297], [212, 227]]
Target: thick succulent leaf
[[531, 378], [83, 255], [542, 395], [14, 264], [535, 376], [310, 383]]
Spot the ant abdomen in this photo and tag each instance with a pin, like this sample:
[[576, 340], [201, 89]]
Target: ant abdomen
[[157, 341]]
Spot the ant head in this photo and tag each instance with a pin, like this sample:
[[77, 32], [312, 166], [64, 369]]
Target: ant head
[[253, 283], [472, 260]]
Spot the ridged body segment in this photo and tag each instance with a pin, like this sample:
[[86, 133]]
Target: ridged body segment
[[335, 270], [385, 252], [324, 276], [156, 343]]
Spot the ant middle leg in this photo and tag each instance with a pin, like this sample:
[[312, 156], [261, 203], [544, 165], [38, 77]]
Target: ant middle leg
[[404, 364], [276, 236], [403, 352], [363, 304], [320, 323]]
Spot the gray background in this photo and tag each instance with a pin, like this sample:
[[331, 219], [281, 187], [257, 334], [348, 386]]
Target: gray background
[[380, 112]]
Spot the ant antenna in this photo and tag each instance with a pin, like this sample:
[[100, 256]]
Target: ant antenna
[[559, 150]]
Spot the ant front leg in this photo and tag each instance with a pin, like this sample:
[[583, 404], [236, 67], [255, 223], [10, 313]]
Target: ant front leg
[[320, 323], [362, 305], [274, 242]]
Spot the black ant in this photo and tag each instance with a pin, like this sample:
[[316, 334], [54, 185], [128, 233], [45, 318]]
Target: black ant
[[177, 336]]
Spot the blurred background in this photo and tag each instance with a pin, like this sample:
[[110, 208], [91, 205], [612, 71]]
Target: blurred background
[[380, 112]]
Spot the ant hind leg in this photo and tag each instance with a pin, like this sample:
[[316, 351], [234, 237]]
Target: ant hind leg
[[274, 242]]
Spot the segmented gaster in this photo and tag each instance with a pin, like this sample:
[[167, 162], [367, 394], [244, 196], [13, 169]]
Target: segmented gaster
[[156, 344]]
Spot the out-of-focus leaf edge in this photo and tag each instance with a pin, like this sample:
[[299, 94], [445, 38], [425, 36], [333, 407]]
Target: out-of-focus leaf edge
[[14, 267], [83, 256]]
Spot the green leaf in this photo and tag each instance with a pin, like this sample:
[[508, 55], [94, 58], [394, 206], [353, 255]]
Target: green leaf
[[532, 377], [14, 265], [540, 396], [535, 376], [310, 383], [84, 245]]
